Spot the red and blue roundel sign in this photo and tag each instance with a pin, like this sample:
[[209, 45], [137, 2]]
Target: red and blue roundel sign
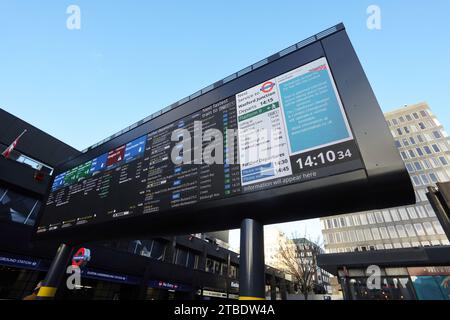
[[267, 87], [81, 258]]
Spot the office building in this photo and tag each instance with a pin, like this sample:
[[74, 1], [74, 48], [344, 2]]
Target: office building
[[425, 148]]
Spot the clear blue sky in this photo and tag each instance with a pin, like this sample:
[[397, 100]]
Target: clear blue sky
[[132, 58]]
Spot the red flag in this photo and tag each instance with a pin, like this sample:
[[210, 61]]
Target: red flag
[[8, 150]]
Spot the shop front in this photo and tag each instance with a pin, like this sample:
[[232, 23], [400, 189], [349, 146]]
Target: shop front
[[162, 290], [403, 274]]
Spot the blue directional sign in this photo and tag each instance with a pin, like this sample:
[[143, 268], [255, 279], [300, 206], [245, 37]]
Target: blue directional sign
[[99, 164], [135, 149], [59, 181]]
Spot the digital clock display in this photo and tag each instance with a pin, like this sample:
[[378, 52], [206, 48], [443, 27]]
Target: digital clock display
[[323, 158]]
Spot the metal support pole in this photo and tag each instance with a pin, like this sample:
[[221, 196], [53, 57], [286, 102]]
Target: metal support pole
[[252, 267], [56, 273]]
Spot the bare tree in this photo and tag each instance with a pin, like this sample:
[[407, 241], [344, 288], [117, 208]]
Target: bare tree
[[299, 257]]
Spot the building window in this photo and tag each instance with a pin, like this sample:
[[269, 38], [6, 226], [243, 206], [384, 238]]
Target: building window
[[394, 121], [443, 146], [415, 115], [378, 217], [410, 230], [401, 231], [401, 119], [443, 161], [419, 152], [384, 233], [403, 214], [392, 232], [395, 215], [335, 223], [423, 113], [399, 131], [345, 237], [411, 153], [436, 162], [436, 148], [429, 228], [419, 229], [407, 131], [371, 218], [426, 164], [405, 142], [158, 250], [433, 177], [368, 235], [422, 125], [430, 210], [422, 195], [420, 138], [412, 213], [363, 219], [193, 261], [387, 216], [18, 208], [425, 179], [360, 235], [408, 117], [412, 140], [330, 226], [441, 176], [376, 234], [418, 166], [409, 167], [427, 149], [422, 212], [438, 227], [352, 235], [437, 134], [181, 257], [416, 181], [349, 221], [404, 155]]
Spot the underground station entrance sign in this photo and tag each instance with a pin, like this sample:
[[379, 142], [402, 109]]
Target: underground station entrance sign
[[295, 136]]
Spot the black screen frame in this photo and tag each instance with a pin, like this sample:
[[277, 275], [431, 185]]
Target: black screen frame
[[384, 182]]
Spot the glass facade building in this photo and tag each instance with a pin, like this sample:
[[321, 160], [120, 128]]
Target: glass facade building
[[17, 207], [425, 148]]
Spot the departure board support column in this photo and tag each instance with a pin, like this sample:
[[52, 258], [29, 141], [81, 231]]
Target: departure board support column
[[252, 266], [55, 273]]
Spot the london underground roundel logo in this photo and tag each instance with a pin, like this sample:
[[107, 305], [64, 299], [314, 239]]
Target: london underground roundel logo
[[81, 257], [267, 87]]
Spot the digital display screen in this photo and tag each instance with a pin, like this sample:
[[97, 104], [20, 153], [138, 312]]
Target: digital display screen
[[286, 130]]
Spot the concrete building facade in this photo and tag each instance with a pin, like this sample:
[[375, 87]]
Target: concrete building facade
[[424, 146]]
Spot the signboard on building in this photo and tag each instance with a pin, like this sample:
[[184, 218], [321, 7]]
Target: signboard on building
[[295, 136], [81, 257]]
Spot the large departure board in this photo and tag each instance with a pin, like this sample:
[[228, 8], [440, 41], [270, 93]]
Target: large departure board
[[255, 149], [290, 129]]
